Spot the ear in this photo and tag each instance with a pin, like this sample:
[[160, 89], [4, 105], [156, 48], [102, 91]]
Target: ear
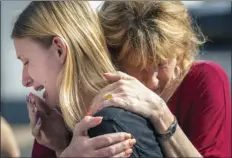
[[60, 47]]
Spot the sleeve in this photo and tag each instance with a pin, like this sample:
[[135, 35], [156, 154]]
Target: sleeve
[[119, 120], [209, 121], [40, 151]]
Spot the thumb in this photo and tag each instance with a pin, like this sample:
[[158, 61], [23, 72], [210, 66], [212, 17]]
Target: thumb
[[40, 104], [114, 77], [85, 124], [37, 127]]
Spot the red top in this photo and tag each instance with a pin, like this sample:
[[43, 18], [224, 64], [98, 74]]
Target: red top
[[202, 107]]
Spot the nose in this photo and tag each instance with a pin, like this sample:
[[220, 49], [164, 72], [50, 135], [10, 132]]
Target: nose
[[27, 81], [151, 78]]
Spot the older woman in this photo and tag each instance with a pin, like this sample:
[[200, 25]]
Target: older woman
[[155, 43]]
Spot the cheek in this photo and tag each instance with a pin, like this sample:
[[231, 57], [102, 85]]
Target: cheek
[[36, 73], [163, 77]]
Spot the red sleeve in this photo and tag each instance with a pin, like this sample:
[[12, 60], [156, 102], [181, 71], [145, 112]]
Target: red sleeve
[[209, 119], [40, 151]]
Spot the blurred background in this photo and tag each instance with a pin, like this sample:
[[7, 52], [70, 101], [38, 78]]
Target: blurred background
[[214, 18]]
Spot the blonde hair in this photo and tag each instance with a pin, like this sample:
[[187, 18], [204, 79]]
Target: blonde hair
[[146, 33], [87, 57]]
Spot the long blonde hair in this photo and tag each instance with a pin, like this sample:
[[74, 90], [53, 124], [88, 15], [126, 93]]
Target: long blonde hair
[[147, 33], [87, 57]]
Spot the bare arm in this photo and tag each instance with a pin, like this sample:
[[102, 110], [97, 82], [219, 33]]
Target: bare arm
[[177, 145], [210, 113], [9, 146]]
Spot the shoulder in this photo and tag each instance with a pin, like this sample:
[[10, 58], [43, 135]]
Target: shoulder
[[120, 120], [207, 69], [124, 118], [205, 86], [204, 74]]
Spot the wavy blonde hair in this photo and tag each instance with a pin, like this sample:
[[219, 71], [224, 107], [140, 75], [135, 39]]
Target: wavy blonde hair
[[146, 33], [87, 57]]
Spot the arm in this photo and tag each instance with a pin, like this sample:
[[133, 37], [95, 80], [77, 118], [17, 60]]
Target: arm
[[208, 124], [178, 145], [9, 146]]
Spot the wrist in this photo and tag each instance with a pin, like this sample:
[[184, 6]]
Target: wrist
[[163, 121]]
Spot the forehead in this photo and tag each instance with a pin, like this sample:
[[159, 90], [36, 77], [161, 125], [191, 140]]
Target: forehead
[[23, 46]]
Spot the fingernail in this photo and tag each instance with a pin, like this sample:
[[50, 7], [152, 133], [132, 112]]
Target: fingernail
[[128, 136], [30, 94], [98, 119], [27, 98], [34, 108], [32, 101], [128, 152], [89, 112], [105, 74], [132, 142], [38, 121]]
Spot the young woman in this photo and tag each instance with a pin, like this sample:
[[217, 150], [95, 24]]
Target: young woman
[[63, 51]]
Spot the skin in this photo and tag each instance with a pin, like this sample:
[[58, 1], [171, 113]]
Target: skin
[[36, 74], [9, 145], [41, 68], [128, 93], [36, 62], [154, 78]]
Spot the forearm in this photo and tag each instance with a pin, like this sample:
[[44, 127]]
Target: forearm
[[177, 145]]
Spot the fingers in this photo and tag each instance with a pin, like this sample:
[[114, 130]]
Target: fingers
[[126, 153], [40, 104], [116, 149], [32, 111], [117, 102], [108, 139], [36, 128], [113, 77], [113, 88], [85, 124]]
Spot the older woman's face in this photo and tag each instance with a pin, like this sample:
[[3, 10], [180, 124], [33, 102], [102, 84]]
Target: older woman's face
[[41, 67], [154, 78]]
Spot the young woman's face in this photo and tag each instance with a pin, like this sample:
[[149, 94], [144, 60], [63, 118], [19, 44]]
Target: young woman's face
[[41, 67]]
